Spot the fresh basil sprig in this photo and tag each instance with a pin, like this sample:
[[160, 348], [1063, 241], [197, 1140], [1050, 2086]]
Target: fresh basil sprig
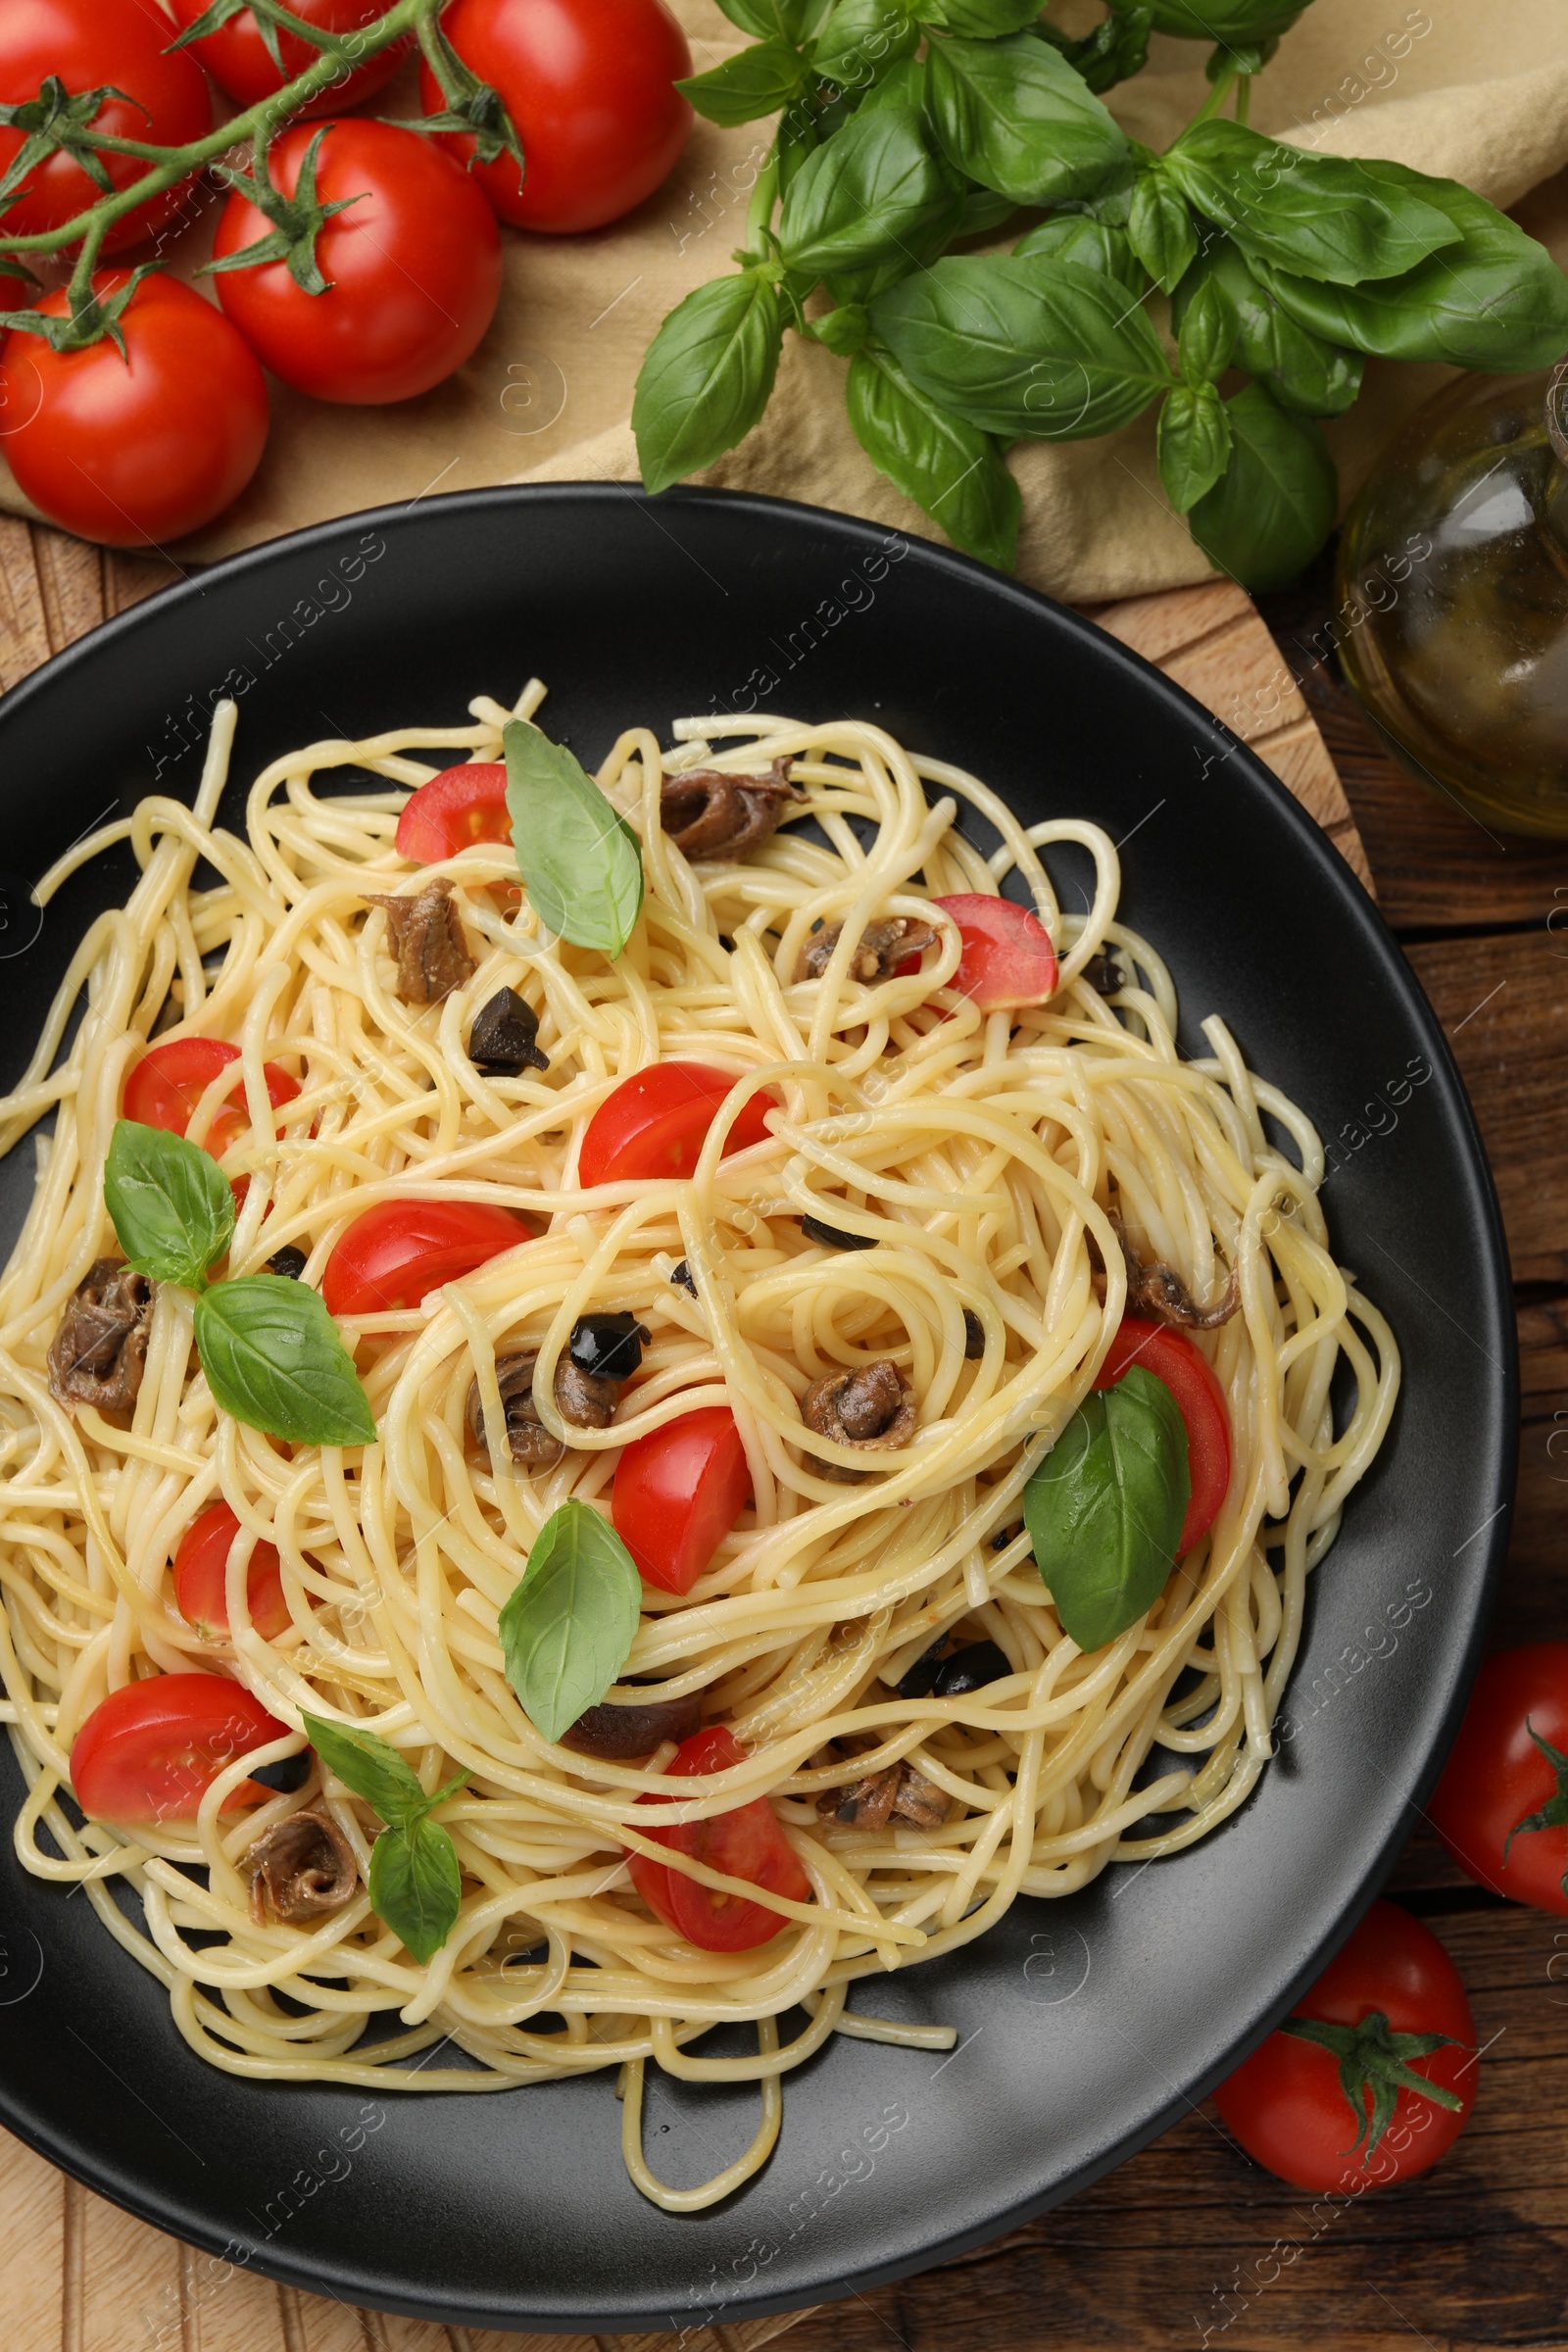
[[1017, 118], [1105, 1508], [569, 1627], [416, 1885], [171, 1206], [948, 466], [581, 862], [1324, 217]]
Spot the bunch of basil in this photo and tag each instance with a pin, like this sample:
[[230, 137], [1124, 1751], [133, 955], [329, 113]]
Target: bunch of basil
[[909, 124]]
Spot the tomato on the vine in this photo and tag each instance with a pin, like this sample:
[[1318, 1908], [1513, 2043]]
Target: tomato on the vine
[[157, 94], [1501, 1805], [165, 1086], [150, 1751], [201, 1571], [744, 1843], [656, 1123], [590, 87], [1191, 1379], [138, 450], [237, 58], [677, 1494], [1390, 2009], [412, 266], [462, 804], [398, 1252]]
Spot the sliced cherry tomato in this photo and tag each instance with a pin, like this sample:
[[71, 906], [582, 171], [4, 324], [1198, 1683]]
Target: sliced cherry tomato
[[677, 1494], [1285, 2103], [1501, 1805], [462, 804], [170, 1080], [236, 56], [201, 1568], [396, 1253], [1007, 957], [746, 1844], [657, 1123], [1191, 1379], [151, 1750]]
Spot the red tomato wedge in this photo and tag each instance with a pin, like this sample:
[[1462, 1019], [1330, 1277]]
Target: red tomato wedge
[[1191, 1379], [397, 1252], [166, 1084], [151, 1751], [201, 1566], [747, 1843], [657, 1123], [1498, 1807], [1007, 957], [677, 1494], [462, 804]]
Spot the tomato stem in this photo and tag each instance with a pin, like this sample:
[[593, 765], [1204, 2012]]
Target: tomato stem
[[1553, 1814], [1374, 2059]]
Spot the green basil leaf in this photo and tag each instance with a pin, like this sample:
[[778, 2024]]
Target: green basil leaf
[[903, 87], [980, 20], [875, 183], [1113, 52], [1035, 349], [862, 40], [567, 1627], [372, 1767], [950, 469], [1194, 443], [768, 19], [707, 378], [1273, 507], [1105, 1508], [171, 1207], [754, 82], [982, 210], [1011, 115], [1159, 229], [416, 1885], [843, 329], [1090, 244], [1302, 371], [274, 1360], [581, 862], [1241, 22], [1206, 335], [1325, 217]]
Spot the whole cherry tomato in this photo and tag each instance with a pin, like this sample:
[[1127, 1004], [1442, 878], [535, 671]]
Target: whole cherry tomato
[[151, 1750], [1006, 959], [414, 267], [160, 95], [459, 806], [137, 450], [236, 56], [677, 1494], [201, 1569], [170, 1080], [1191, 1379], [590, 87], [746, 1844], [398, 1252], [1390, 2008], [656, 1123], [1501, 1805]]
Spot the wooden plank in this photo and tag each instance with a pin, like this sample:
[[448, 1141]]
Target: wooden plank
[[24, 630], [32, 2199], [130, 2285], [71, 580]]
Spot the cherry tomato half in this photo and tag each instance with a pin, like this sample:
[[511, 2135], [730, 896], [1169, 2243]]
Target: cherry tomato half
[[135, 451], [201, 1567], [677, 1494], [236, 56], [413, 267], [170, 1080], [158, 95], [1497, 1777], [462, 804], [657, 1123], [400, 1251], [151, 1750], [1007, 957], [590, 87], [1191, 1379], [1285, 2103], [747, 1843]]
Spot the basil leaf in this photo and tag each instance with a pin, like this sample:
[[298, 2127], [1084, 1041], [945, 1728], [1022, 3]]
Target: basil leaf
[[754, 82], [1113, 52], [1273, 507], [171, 1206], [903, 86], [950, 469], [875, 183], [1206, 335], [1194, 443], [1159, 229], [274, 1360], [1090, 244], [1302, 371], [1325, 217], [416, 1885], [1032, 348], [1238, 21], [580, 861], [567, 1627], [1011, 115], [1105, 1508], [862, 40], [980, 20], [707, 378], [372, 1767], [768, 19]]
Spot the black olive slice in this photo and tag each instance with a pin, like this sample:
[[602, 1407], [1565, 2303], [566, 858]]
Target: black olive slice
[[682, 1275], [971, 1669], [288, 1262], [974, 1334], [816, 1228], [920, 1680], [504, 1040], [609, 1347]]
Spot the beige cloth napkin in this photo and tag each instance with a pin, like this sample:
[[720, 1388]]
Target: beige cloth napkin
[[1475, 89]]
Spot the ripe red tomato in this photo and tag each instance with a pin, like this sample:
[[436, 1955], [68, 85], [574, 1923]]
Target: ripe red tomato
[[677, 1494], [236, 58], [397, 1252], [656, 1123], [151, 1750], [462, 804], [200, 1565], [1007, 957], [1498, 1778], [1285, 2103], [590, 87], [170, 1080], [135, 451], [1191, 1379], [160, 96], [746, 1844], [413, 267]]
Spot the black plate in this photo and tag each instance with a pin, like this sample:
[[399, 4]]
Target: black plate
[[1088, 2026]]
